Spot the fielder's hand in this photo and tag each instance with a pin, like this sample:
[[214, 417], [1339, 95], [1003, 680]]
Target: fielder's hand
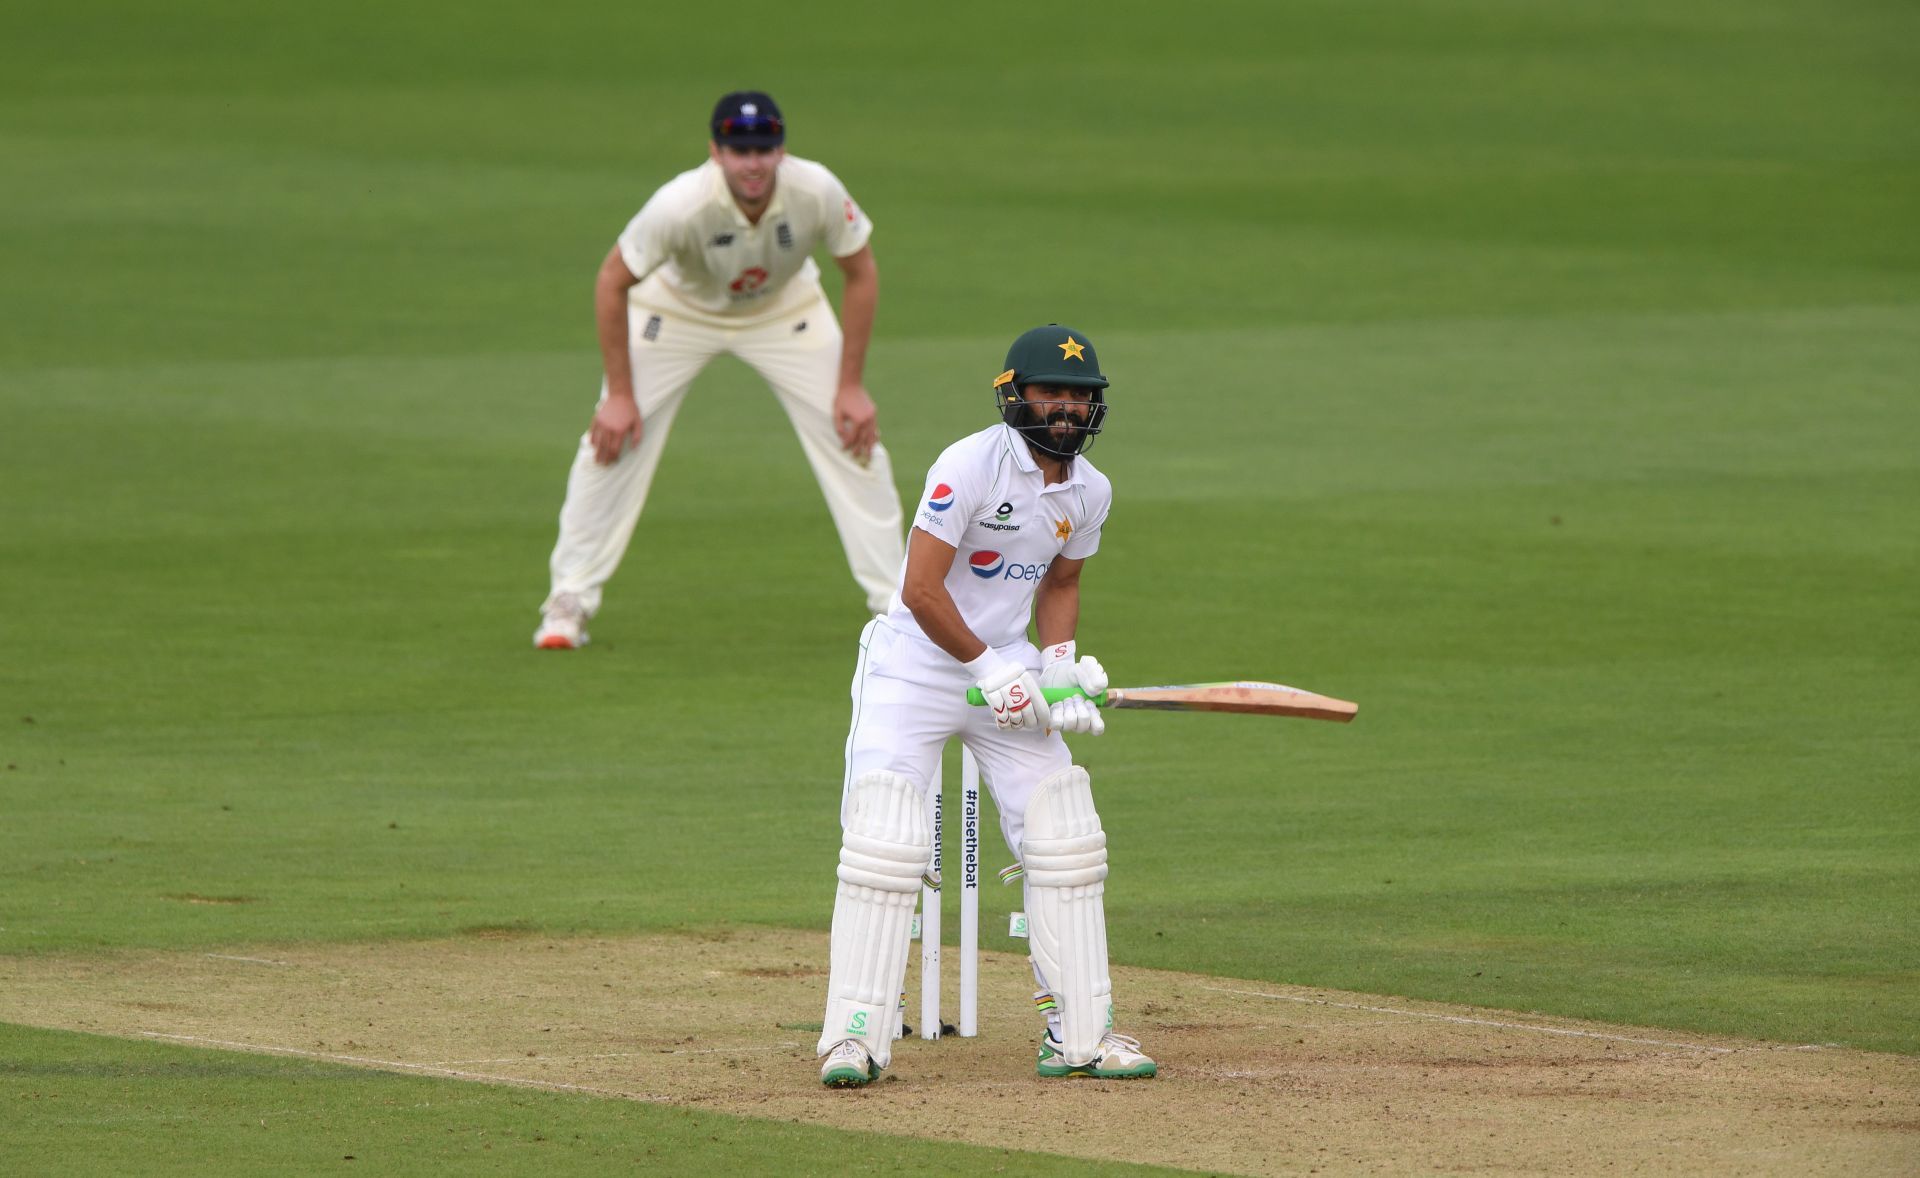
[[1013, 693], [856, 421], [616, 425]]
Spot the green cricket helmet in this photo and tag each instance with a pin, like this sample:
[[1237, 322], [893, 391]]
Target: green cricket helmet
[[1052, 355]]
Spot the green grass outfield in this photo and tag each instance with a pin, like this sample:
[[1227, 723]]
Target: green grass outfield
[[1541, 377]]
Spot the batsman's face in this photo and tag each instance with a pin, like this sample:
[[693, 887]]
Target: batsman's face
[[749, 170], [1066, 409]]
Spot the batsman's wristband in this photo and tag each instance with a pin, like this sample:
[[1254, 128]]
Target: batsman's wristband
[[988, 662], [1052, 695]]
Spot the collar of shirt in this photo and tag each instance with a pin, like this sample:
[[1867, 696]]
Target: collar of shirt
[[723, 196], [1024, 459]]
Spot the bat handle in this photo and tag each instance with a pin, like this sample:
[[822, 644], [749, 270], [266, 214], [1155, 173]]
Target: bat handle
[[1053, 695]]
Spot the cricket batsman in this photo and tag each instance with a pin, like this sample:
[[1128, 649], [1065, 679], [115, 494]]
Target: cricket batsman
[[1009, 517], [720, 259]]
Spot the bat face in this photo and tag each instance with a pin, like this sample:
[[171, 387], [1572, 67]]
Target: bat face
[[1249, 697]]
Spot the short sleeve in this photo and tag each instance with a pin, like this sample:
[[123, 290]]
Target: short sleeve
[[1085, 540], [950, 500], [848, 228], [647, 239]]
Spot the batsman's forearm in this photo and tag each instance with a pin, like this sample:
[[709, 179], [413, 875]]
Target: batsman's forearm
[[1056, 612], [859, 302], [941, 622]]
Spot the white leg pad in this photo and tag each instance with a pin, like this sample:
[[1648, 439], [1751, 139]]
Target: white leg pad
[[1064, 853], [886, 839]]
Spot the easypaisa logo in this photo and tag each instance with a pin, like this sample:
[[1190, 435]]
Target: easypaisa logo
[[991, 566]]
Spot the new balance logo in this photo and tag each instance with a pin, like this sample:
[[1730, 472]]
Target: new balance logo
[[723, 239]]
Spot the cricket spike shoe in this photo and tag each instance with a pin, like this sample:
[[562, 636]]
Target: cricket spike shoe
[[849, 1066], [563, 624], [1119, 1058]]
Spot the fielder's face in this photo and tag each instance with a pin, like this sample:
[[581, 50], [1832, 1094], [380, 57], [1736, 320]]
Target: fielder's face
[[1066, 409], [749, 170]]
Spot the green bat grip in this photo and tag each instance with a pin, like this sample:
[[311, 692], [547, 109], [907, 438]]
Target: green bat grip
[[1052, 695]]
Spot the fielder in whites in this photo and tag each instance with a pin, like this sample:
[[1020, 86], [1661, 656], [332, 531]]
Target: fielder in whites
[[1009, 517], [721, 260]]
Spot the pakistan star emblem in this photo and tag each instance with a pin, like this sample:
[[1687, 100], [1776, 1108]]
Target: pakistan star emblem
[[1062, 529], [1072, 349]]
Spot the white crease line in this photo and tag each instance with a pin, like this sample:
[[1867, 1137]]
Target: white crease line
[[452, 1063], [627, 1054], [255, 960], [723, 1050], [1477, 1022], [429, 1069]]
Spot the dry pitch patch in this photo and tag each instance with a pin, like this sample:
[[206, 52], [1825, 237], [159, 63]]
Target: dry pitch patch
[[1256, 1078]]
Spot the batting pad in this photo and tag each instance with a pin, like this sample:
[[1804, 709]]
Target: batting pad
[[1064, 852], [886, 841]]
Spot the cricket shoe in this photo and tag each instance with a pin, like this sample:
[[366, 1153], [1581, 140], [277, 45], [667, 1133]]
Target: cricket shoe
[[563, 624], [849, 1066], [1119, 1058]]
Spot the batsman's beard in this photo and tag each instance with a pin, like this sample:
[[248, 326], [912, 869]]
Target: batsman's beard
[[1061, 433]]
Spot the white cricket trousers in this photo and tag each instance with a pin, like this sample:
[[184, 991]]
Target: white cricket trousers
[[799, 357], [910, 698]]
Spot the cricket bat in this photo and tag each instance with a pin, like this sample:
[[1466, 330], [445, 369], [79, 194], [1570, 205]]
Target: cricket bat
[[1248, 697]]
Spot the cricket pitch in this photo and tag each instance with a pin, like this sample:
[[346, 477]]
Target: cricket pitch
[[1256, 1078]]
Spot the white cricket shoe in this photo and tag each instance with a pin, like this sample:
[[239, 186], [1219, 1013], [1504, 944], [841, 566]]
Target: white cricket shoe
[[1119, 1058], [849, 1066], [563, 624]]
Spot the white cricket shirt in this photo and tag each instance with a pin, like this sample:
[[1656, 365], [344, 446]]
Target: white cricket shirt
[[987, 497], [699, 257]]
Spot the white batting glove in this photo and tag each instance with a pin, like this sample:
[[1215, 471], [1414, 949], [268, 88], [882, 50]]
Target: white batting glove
[[1012, 691], [1077, 714], [1061, 670]]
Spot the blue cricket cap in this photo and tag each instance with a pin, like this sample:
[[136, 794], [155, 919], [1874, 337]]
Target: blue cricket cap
[[748, 118]]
